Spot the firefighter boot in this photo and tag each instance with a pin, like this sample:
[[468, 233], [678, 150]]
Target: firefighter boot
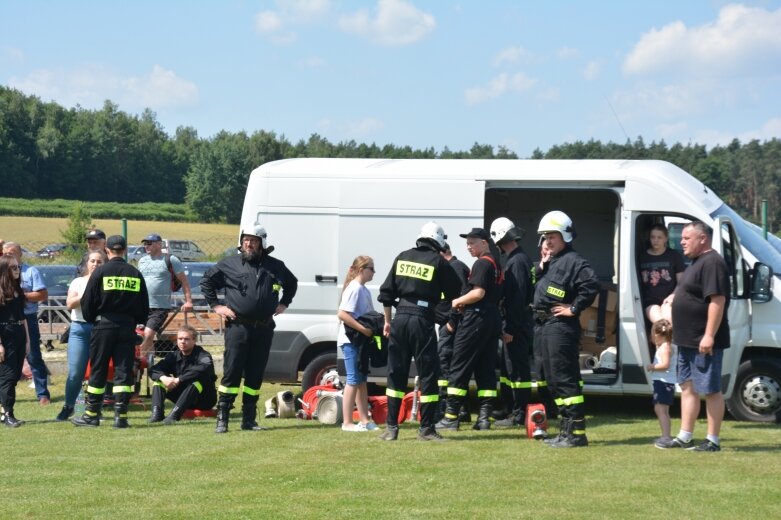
[[429, 433], [563, 426], [120, 411], [223, 414], [91, 415], [158, 413], [464, 417], [484, 415], [450, 421], [174, 416], [158, 404], [9, 420], [576, 435], [249, 413]]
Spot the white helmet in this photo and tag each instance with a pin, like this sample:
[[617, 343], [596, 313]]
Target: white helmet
[[257, 231], [557, 221], [503, 230], [435, 232], [607, 359]]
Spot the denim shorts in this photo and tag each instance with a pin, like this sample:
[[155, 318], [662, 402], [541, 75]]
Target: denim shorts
[[704, 371], [351, 363], [663, 393]]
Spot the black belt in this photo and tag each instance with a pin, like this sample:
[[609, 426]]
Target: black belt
[[542, 315], [252, 323], [4, 323]]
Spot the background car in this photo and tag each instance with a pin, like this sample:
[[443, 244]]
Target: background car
[[194, 272], [55, 250], [134, 253], [57, 278], [184, 250]]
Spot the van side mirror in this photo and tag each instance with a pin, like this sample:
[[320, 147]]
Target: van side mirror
[[761, 278]]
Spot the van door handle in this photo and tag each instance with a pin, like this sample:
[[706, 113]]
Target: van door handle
[[320, 278]]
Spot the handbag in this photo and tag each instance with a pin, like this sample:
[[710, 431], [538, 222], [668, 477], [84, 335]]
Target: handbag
[[176, 284]]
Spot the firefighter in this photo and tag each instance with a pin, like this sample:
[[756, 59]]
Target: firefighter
[[518, 331], [414, 285], [185, 376], [565, 286], [257, 288], [447, 322], [477, 334], [115, 300]]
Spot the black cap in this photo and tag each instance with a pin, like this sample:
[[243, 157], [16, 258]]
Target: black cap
[[477, 233], [96, 234], [116, 243], [153, 237]]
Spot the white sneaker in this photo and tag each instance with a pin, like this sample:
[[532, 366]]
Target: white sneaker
[[354, 428]]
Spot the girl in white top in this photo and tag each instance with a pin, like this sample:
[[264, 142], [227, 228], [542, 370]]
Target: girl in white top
[[663, 371], [79, 335], [356, 301]]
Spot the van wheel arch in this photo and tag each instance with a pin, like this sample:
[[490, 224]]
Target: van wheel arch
[[317, 368], [757, 392]]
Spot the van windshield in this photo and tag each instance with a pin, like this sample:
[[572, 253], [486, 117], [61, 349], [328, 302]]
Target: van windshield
[[766, 251]]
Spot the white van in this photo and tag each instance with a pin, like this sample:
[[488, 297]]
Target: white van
[[321, 213]]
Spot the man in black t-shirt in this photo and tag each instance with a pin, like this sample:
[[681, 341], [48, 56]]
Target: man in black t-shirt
[[701, 331]]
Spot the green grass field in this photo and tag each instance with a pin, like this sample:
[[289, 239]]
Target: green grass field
[[301, 469]]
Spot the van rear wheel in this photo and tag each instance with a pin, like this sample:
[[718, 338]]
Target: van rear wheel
[[319, 371], [757, 393]]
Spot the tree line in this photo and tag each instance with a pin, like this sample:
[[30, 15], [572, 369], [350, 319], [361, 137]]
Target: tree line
[[49, 152]]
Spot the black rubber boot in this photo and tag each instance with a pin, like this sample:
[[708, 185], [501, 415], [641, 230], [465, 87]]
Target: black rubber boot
[[484, 415], [120, 411], [564, 426], [174, 416], [9, 420], [223, 414], [91, 416], [249, 413], [429, 434], [158, 414], [576, 435], [450, 421]]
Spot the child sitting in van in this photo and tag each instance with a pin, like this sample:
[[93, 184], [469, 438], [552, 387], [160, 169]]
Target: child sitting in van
[[663, 375]]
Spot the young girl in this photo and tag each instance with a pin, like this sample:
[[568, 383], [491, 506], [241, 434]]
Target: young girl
[[356, 301], [663, 375]]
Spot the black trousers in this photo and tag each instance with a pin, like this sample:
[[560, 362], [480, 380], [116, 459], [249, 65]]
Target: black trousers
[[445, 353], [557, 341], [111, 341], [412, 335], [515, 374], [186, 397], [14, 341], [474, 351], [246, 355]]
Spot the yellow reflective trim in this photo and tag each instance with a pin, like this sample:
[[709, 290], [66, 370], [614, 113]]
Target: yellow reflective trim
[[414, 270], [578, 432], [451, 416], [556, 292], [394, 393], [378, 341], [429, 398], [461, 392], [251, 391], [442, 382], [118, 389], [572, 400], [91, 414], [559, 401], [228, 389], [97, 391], [541, 383], [523, 384], [198, 386], [122, 283], [487, 393], [505, 381], [581, 383], [161, 385], [276, 287]]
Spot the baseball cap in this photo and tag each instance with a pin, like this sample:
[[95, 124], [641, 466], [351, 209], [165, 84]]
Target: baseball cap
[[153, 237], [96, 233], [116, 242], [477, 233]]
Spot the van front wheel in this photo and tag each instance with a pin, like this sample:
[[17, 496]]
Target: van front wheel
[[319, 371], [757, 393]]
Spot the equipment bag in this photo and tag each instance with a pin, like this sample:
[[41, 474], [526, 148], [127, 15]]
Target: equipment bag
[[176, 284]]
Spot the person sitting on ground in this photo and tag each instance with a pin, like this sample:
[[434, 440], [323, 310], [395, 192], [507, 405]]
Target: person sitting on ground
[[186, 377]]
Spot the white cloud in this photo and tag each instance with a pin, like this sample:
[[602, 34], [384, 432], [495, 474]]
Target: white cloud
[[769, 130], [498, 86], [91, 86], [592, 70], [275, 25], [566, 53], [512, 56], [271, 25], [364, 127], [743, 40], [395, 23]]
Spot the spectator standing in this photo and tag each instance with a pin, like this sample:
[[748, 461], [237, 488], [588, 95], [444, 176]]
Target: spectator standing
[[79, 334], [663, 375], [14, 341], [154, 268], [257, 288], [115, 300], [35, 292], [701, 333]]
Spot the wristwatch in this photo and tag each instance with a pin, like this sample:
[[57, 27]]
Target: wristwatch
[[573, 310]]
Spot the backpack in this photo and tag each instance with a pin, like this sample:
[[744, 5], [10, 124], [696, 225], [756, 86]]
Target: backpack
[[498, 272], [176, 284]]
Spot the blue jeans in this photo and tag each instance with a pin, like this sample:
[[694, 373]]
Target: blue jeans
[[34, 358], [351, 364], [78, 356]]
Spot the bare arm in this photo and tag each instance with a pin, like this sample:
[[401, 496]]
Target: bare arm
[[473, 296], [37, 296], [188, 297], [715, 314], [348, 320]]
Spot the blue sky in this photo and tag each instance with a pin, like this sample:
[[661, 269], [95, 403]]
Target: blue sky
[[520, 74]]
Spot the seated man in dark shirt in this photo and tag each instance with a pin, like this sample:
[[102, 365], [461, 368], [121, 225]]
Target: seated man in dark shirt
[[185, 376]]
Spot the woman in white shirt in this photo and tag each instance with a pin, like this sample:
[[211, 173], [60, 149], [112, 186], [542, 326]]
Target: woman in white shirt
[[356, 301], [79, 335]]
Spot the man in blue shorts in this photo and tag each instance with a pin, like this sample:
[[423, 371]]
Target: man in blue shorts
[[701, 331]]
